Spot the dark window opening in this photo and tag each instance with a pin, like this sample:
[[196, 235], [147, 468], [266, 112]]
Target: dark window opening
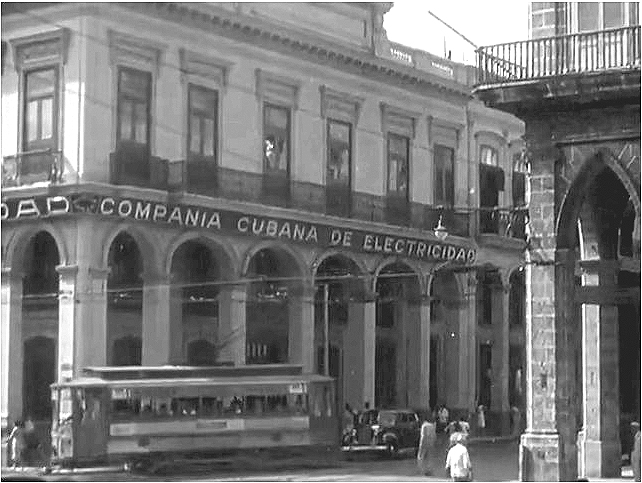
[[444, 178], [40, 109]]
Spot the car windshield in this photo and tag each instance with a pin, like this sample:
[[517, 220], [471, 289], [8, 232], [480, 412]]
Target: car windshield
[[386, 418]]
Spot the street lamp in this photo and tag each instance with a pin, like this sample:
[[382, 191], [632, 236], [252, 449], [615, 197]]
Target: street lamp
[[440, 230]]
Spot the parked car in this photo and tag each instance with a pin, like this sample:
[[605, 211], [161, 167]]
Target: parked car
[[390, 431]]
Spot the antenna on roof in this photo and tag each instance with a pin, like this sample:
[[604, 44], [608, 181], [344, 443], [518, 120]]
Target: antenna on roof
[[454, 30]]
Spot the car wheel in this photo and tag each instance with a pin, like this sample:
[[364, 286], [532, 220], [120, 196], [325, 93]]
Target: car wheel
[[392, 449]]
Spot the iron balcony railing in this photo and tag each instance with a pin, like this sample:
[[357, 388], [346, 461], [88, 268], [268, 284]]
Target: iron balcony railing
[[208, 179], [30, 167], [578, 53]]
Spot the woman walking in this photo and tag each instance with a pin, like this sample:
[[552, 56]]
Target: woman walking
[[426, 443]]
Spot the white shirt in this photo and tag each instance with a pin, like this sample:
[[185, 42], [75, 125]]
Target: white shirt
[[458, 461]]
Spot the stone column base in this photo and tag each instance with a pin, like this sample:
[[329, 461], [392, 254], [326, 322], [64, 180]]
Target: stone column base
[[599, 459], [539, 457]]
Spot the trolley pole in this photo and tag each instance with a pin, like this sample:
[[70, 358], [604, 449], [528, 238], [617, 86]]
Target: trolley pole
[[326, 325]]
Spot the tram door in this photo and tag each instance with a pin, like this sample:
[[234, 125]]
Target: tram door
[[90, 423]]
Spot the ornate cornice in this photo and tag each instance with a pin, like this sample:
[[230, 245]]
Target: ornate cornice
[[279, 38]]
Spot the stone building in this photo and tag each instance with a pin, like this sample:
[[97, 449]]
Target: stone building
[[576, 84], [246, 183]]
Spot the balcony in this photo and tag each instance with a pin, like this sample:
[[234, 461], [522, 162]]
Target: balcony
[[32, 167], [215, 181], [579, 67]]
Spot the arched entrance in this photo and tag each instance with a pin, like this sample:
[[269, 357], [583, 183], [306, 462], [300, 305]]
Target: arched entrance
[[397, 344], [196, 289], [39, 324], [124, 302], [338, 286], [604, 322], [271, 312]]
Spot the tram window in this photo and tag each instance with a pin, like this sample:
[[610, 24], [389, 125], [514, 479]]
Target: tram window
[[211, 406], [185, 406], [234, 405], [66, 407], [125, 408], [255, 405]]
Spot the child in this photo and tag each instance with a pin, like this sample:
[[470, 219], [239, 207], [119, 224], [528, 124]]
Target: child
[[458, 464]]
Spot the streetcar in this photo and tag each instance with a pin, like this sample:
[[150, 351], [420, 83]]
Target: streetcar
[[141, 415]]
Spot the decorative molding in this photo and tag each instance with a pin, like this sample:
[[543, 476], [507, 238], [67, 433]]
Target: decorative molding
[[67, 270], [134, 51], [490, 135], [212, 68], [340, 105], [398, 120], [279, 89], [44, 48]]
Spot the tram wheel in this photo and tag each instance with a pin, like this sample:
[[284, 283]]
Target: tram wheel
[[392, 449]]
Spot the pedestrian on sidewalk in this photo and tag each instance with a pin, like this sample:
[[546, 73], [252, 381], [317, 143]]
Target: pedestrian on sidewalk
[[17, 443], [481, 420], [458, 465], [426, 445]]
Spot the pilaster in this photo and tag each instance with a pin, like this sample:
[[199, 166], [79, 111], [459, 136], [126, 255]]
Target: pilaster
[[12, 347], [501, 327], [157, 332], [467, 367], [359, 356], [232, 324], [67, 293], [424, 355], [301, 329]]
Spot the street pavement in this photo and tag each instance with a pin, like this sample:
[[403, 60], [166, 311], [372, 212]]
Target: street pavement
[[492, 461]]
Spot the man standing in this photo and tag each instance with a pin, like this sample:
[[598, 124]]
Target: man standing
[[458, 465]]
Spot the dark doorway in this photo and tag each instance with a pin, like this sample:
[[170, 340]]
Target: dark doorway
[[39, 372], [485, 368], [201, 353], [385, 374], [127, 351]]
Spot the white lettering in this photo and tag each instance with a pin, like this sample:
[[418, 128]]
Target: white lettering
[[335, 237], [411, 246], [312, 235], [461, 255], [128, 208], [434, 252], [257, 229], [176, 215], [387, 246], [451, 253], [191, 217], [377, 245], [347, 238], [103, 206], [399, 246], [285, 230], [271, 228], [159, 212], [299, 232], [421, 249], [4, 211], [61, 202], [242, 224], [215, 220], [27, 208], [142, 213], [472, 254], [368, 242]]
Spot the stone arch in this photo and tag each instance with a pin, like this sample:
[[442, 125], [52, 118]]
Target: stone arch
[[573, 200], [148, 249], [217, 245], [318, 262], [301, 267], [19, 241], [414, 267]]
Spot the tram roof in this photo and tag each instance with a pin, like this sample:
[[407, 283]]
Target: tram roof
[[174, 382], [169, 371]]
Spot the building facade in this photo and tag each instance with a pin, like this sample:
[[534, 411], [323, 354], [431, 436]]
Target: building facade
[[576, 84], [256, 183]]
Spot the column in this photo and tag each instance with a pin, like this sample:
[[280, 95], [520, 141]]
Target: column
[[467, 363], [67, 290], [401, 326], [359, 353], [599, 442], [12, 347], [92, 311], [424, 355], [301, 329], [157, 327], [231, 324], [500, 376]]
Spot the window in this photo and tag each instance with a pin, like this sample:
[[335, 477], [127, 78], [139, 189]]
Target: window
[[444, 181], [588, 17], [398, 153], [40, 108], [134, 93], [339, 153], [276, 139], [613, 14], [605, 15], [203, 115], [488, 156]]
